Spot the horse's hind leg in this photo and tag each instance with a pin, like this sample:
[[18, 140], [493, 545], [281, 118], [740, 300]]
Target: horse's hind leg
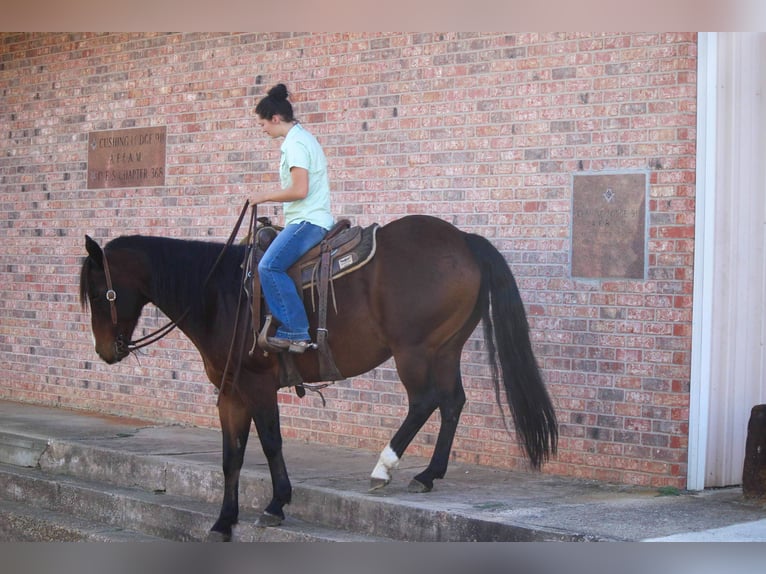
[[450, 406], [413, 372], [429, 384]]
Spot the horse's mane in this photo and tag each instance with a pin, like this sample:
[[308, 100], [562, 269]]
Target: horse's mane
[[179, 267]]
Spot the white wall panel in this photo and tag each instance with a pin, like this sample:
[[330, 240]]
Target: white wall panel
[[739, 261]]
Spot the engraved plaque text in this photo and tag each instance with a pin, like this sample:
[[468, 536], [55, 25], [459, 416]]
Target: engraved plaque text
[[609, 226], [126, 158]]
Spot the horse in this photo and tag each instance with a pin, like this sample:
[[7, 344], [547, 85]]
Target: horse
[[418, 300]]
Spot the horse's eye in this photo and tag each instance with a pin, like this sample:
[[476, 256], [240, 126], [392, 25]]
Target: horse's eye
[[96, 296]]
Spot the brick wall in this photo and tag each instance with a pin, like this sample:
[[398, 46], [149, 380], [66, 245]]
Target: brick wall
[[484, 130]]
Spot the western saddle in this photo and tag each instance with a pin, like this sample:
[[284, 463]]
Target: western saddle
[[344, 249]]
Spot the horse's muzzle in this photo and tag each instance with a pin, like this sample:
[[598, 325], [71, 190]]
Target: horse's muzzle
[[118, 351], [121, 348]]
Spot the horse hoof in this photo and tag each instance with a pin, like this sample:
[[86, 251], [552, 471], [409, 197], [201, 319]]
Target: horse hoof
[[214, 536], [417, 487], [267, 519], [378, 484]]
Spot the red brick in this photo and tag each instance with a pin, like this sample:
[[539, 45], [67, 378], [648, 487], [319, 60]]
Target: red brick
[[407, 129]]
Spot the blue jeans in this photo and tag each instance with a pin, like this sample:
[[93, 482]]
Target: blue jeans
[[278, 288]]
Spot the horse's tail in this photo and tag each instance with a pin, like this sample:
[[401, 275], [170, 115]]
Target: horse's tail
[[506, 332]]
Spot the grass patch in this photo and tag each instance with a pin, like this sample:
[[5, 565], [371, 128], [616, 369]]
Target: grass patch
[[668, 491]]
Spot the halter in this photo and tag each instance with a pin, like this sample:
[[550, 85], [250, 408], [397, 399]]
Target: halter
[[154, 336]]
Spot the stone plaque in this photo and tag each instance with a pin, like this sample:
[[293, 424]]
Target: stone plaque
[[126, 158], [609, 225]]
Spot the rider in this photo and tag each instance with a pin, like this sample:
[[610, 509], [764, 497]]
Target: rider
[[305, 193]]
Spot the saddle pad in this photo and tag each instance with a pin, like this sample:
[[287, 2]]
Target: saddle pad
[[351, 249]]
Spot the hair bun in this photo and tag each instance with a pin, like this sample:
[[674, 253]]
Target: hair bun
[[278, 92]]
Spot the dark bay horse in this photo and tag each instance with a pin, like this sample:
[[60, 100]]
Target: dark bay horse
[[418, 300]]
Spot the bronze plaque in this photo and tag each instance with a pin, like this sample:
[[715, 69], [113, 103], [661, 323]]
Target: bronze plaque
[[126, 158], [609, 226]]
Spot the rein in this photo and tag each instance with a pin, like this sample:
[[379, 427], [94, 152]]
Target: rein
[[155, 336], [246, 273]]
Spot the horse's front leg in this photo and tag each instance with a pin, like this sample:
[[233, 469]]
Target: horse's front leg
[[266, 418], [235, 427]]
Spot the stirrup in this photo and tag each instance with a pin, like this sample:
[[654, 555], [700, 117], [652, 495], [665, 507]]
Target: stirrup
[[290, 346], [301, 346]]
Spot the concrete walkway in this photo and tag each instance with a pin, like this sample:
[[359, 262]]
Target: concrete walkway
[[471, 503]]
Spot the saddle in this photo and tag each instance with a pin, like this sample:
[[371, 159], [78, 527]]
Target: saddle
[[343, 250]]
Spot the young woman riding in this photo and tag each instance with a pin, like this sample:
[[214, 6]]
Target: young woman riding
[[305, 193]]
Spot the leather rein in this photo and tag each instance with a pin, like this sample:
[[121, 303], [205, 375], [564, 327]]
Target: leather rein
[[153, 337]]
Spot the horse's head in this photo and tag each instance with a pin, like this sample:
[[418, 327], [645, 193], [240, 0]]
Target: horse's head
[[112, 287]]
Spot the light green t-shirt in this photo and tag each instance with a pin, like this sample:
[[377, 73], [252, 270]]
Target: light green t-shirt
[[301, 149]]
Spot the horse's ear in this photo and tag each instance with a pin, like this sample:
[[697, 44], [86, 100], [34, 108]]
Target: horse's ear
[[94, 251]]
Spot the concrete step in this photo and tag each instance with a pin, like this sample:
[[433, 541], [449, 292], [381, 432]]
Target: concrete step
[[190, 472], [39, 505], [471, 503], [21, 522]]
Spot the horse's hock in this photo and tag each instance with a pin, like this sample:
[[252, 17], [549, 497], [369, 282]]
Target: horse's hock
[[754, 471]]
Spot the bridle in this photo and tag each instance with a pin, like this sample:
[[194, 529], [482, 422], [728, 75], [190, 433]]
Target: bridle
[[111, 294], [154, 336]]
